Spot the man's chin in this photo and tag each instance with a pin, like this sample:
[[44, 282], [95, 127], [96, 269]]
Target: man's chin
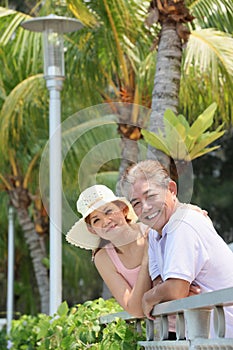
[[154, 223]]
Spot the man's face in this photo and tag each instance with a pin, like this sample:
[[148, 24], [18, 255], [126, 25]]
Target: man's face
[[153, 204]]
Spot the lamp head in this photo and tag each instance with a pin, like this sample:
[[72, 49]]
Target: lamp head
[[53, 27]]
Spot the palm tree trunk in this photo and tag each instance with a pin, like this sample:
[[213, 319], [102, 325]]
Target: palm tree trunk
[[20, 200], [167, 81], [37, 253], [129, 155]]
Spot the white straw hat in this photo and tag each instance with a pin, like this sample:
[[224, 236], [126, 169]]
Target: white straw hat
[[89, 200]]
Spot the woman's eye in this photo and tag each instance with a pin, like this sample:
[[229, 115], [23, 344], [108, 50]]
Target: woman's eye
[[109, 211], [95, 221]]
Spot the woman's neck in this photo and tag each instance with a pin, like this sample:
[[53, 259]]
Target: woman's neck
[[130, 236]]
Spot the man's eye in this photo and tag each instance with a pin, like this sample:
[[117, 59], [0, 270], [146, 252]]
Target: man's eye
[[151, 196], [95, 221], [136, 204]]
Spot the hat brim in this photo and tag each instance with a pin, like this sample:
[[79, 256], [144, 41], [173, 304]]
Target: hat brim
[[80, 236]]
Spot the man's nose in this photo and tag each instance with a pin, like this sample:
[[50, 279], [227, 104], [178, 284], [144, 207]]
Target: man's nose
[[145, 205]]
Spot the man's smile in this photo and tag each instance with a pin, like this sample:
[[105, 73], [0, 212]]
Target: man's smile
[[152, 216]]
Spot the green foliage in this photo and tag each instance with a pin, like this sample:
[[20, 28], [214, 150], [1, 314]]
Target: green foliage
[[183, 142], [74, 328], [3, 340], [213, 186]]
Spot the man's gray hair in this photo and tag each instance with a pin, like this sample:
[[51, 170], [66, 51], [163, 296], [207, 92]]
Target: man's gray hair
[[150, 170]]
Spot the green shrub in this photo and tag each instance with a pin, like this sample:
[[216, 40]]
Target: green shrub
[[74, 328], [3, 341]]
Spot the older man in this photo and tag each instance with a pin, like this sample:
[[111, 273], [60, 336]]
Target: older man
[[184, 247]]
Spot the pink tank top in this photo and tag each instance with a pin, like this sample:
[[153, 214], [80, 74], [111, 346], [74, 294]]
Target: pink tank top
[[130, 275]]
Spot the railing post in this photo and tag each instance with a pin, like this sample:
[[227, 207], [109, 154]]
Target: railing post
[[197, 323], [219, 321], [180, 326], [149, 330]]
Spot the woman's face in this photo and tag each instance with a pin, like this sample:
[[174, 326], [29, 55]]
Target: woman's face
[[108, 220]]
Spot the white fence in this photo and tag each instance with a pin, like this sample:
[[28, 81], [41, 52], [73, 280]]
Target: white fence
[[192, 323]]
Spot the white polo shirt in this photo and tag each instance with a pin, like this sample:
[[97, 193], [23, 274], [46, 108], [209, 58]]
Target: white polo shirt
[[191, 249]]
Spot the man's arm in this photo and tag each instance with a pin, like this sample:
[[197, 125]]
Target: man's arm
[[171, 289]]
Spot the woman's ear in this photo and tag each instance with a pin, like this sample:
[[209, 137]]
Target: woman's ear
[[91, 229], [125, 211]]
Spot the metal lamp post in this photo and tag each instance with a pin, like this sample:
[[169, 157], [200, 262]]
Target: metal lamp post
[[10, 272], [53, 28]]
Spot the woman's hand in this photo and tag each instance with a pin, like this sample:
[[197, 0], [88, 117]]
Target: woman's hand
[[194, 290], [194, 207]]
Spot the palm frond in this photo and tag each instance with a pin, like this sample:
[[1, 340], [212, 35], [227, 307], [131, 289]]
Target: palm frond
[[11, 112], [208, 49], [83, 13], [212, 13], [12, 20]]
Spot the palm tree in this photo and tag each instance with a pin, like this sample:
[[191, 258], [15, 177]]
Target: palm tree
[[19, 164], [118, 60], [123, 65], [173, 38], [24, 133]]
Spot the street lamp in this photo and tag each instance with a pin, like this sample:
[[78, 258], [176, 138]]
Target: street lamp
[[10, 271], [53, 27]]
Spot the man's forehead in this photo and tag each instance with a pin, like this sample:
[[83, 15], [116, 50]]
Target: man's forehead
[[143, 188]]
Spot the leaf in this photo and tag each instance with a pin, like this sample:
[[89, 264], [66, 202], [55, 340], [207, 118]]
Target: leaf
[[63, 309], [203, 121], [184, 122], [43, 327], [190, 141], [155, 141], [207, 150], [176, 145], [208, 139], [170, 116]]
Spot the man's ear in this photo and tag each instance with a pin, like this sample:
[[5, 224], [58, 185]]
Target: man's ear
[[172, 187]]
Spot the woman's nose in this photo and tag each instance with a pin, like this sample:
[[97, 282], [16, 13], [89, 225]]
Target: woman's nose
[[106, 221]]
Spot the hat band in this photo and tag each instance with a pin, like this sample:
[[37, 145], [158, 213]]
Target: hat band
[[94, 202]]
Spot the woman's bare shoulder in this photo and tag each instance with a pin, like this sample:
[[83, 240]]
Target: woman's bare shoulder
[[101, 256], [103, 262]]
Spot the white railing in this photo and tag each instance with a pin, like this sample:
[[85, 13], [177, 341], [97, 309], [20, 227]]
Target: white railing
[[192, 323], [2, 322]]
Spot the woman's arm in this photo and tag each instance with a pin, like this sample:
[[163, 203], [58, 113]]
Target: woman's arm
[[129, 298]]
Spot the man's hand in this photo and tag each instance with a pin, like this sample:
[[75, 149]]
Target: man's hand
[[171, 289]]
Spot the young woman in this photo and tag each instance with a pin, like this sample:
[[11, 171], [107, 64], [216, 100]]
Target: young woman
[[110, 229], [119, 244]]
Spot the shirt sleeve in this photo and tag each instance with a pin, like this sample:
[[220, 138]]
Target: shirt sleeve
[[185, 255], [153, 254]]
